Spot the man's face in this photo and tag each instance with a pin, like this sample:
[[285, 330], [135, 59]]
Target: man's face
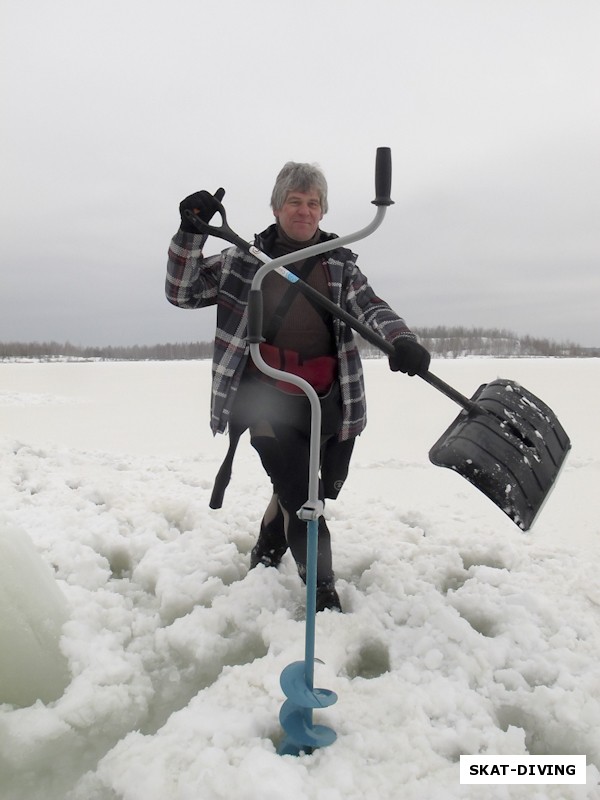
[[300, 215]]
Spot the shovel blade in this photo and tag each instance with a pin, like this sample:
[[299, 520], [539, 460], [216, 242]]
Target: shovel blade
[[511, 447]]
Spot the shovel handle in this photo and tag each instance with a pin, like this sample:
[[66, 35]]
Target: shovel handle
[[372, 337], [450, 392]]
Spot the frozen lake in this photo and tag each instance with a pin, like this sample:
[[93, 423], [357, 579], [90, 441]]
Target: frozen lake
[[460, 633]]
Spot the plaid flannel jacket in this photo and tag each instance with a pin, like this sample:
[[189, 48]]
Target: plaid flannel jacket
[[224, 279]]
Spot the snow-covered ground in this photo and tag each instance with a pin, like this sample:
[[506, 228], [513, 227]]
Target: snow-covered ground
[[460, 633]]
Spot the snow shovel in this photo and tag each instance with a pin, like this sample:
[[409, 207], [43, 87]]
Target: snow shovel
[[506, 441]]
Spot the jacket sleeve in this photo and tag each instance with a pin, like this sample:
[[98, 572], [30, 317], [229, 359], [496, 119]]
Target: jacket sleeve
[[192, 281], [362, 302]]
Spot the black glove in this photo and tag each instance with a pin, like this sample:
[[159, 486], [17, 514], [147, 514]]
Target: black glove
[[410, 357], [202, 204]]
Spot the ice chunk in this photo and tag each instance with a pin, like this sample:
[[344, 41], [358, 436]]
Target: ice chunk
[[32, 612]]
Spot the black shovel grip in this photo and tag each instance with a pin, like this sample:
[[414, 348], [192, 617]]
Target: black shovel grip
[[383, 177], [222, 231]]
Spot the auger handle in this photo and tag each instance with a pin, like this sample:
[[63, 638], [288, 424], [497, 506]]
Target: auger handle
[[383, 177], [255, 317]]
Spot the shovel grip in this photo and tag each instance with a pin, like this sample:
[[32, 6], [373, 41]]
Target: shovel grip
[[222, 231]]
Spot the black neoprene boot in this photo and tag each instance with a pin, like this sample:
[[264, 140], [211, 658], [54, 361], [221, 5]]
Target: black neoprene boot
[[271, 543], [327, 597]]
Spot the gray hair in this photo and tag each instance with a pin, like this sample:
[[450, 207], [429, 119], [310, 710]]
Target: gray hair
[[295, 177]]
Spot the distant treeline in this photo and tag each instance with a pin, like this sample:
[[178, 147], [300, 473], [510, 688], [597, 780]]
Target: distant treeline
[[155, 352], [442, 342], [459, 342]]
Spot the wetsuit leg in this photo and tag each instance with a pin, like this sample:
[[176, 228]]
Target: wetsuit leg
[[285, 458]]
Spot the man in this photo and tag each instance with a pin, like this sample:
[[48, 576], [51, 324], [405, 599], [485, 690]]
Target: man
[[299, 338]]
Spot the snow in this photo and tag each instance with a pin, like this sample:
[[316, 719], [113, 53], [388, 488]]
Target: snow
[[461, 634]]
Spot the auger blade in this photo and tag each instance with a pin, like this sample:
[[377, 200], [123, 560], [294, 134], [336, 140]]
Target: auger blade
[[293, 683], [298, 725]]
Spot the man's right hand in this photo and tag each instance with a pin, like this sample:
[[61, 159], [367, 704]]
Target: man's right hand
[[202, 204]]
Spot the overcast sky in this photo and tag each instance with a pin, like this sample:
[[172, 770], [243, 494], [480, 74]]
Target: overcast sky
[[114, 110]]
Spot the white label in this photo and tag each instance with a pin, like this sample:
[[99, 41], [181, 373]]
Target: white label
[[522, 769]]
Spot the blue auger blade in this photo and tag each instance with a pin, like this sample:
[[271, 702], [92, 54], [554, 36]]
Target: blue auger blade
[[297, 723], [293, 683]]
